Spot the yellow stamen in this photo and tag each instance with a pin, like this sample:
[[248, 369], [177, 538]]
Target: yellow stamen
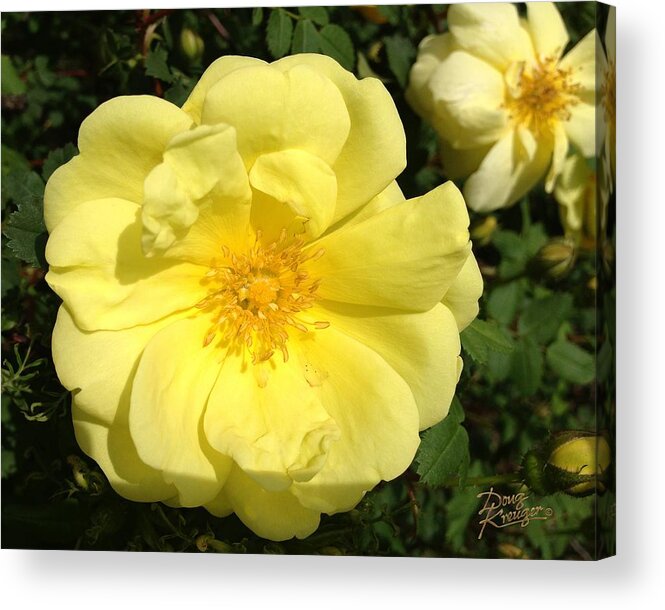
[[256, 296], [544, 96]]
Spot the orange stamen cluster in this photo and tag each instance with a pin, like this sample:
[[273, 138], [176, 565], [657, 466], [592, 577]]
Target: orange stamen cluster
[[255, 297], [545, 94]]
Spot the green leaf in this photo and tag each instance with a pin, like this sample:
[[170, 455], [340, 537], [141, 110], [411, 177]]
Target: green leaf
[[527, 367], [401, 53], [444, 450], [257, 16], [25, 229], [336, 43], [571, 362], [156, 65], [179, 91], [56, 158], [13, 165], [45, 74], [500, 363], [9, 272], [479, 338], [535, 238], [278, 33], [8, 463], [24, 186], [503, 302], [317, 14], [513, 251], [460, 508], [11, 81], [305, 38], [543, 317]]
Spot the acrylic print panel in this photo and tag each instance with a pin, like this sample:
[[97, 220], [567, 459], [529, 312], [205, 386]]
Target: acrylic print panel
[[317, 280]]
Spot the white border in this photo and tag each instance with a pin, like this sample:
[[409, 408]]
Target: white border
[[633, 579]]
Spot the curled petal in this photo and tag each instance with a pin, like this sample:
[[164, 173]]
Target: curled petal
[[120, 143]]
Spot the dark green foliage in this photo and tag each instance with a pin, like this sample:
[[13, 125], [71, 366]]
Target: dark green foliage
[[444, 451], [280, 30], [336, 43]]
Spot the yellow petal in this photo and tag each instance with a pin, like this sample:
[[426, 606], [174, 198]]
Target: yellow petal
[[375, 411], [581, 128], [275, 515], [505, 174], [389, 197], [611, 34], [462, 296], [112, 448], [422, 348], [98, 367], [558, 156], [581, 61], [213, 74], [202, 162], [405, 257], [220, 223], [169, 393], [303, 182], [269, 419], [274, 110], [548, 31], [97, 267], [168, 210], [432, 50], [491, 31], [374, 153], [468, 95], [220, 506], [120, 142]]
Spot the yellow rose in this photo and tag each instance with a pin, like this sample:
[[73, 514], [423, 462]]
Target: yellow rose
[[503, 100], [255, 320], [575, 192]]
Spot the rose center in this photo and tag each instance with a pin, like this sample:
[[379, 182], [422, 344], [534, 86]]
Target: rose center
[[544, 96], [256, 297]]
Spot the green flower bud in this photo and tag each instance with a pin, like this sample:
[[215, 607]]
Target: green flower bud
[[206, 541], [482, 229], [572, 462], [191, 44], [557, 257]]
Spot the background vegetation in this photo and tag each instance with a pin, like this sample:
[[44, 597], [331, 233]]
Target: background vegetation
[[531, 364]]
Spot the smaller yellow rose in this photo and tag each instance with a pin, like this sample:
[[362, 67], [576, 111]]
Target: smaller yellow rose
[[504, 100]]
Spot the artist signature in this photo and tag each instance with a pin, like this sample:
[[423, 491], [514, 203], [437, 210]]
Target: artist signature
[[501, 511]]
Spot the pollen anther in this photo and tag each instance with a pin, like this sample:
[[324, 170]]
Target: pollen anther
[[257, 296], [544, 95]]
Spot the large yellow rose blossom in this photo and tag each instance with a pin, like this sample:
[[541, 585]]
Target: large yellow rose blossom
[[504, 100], [254, 319]]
